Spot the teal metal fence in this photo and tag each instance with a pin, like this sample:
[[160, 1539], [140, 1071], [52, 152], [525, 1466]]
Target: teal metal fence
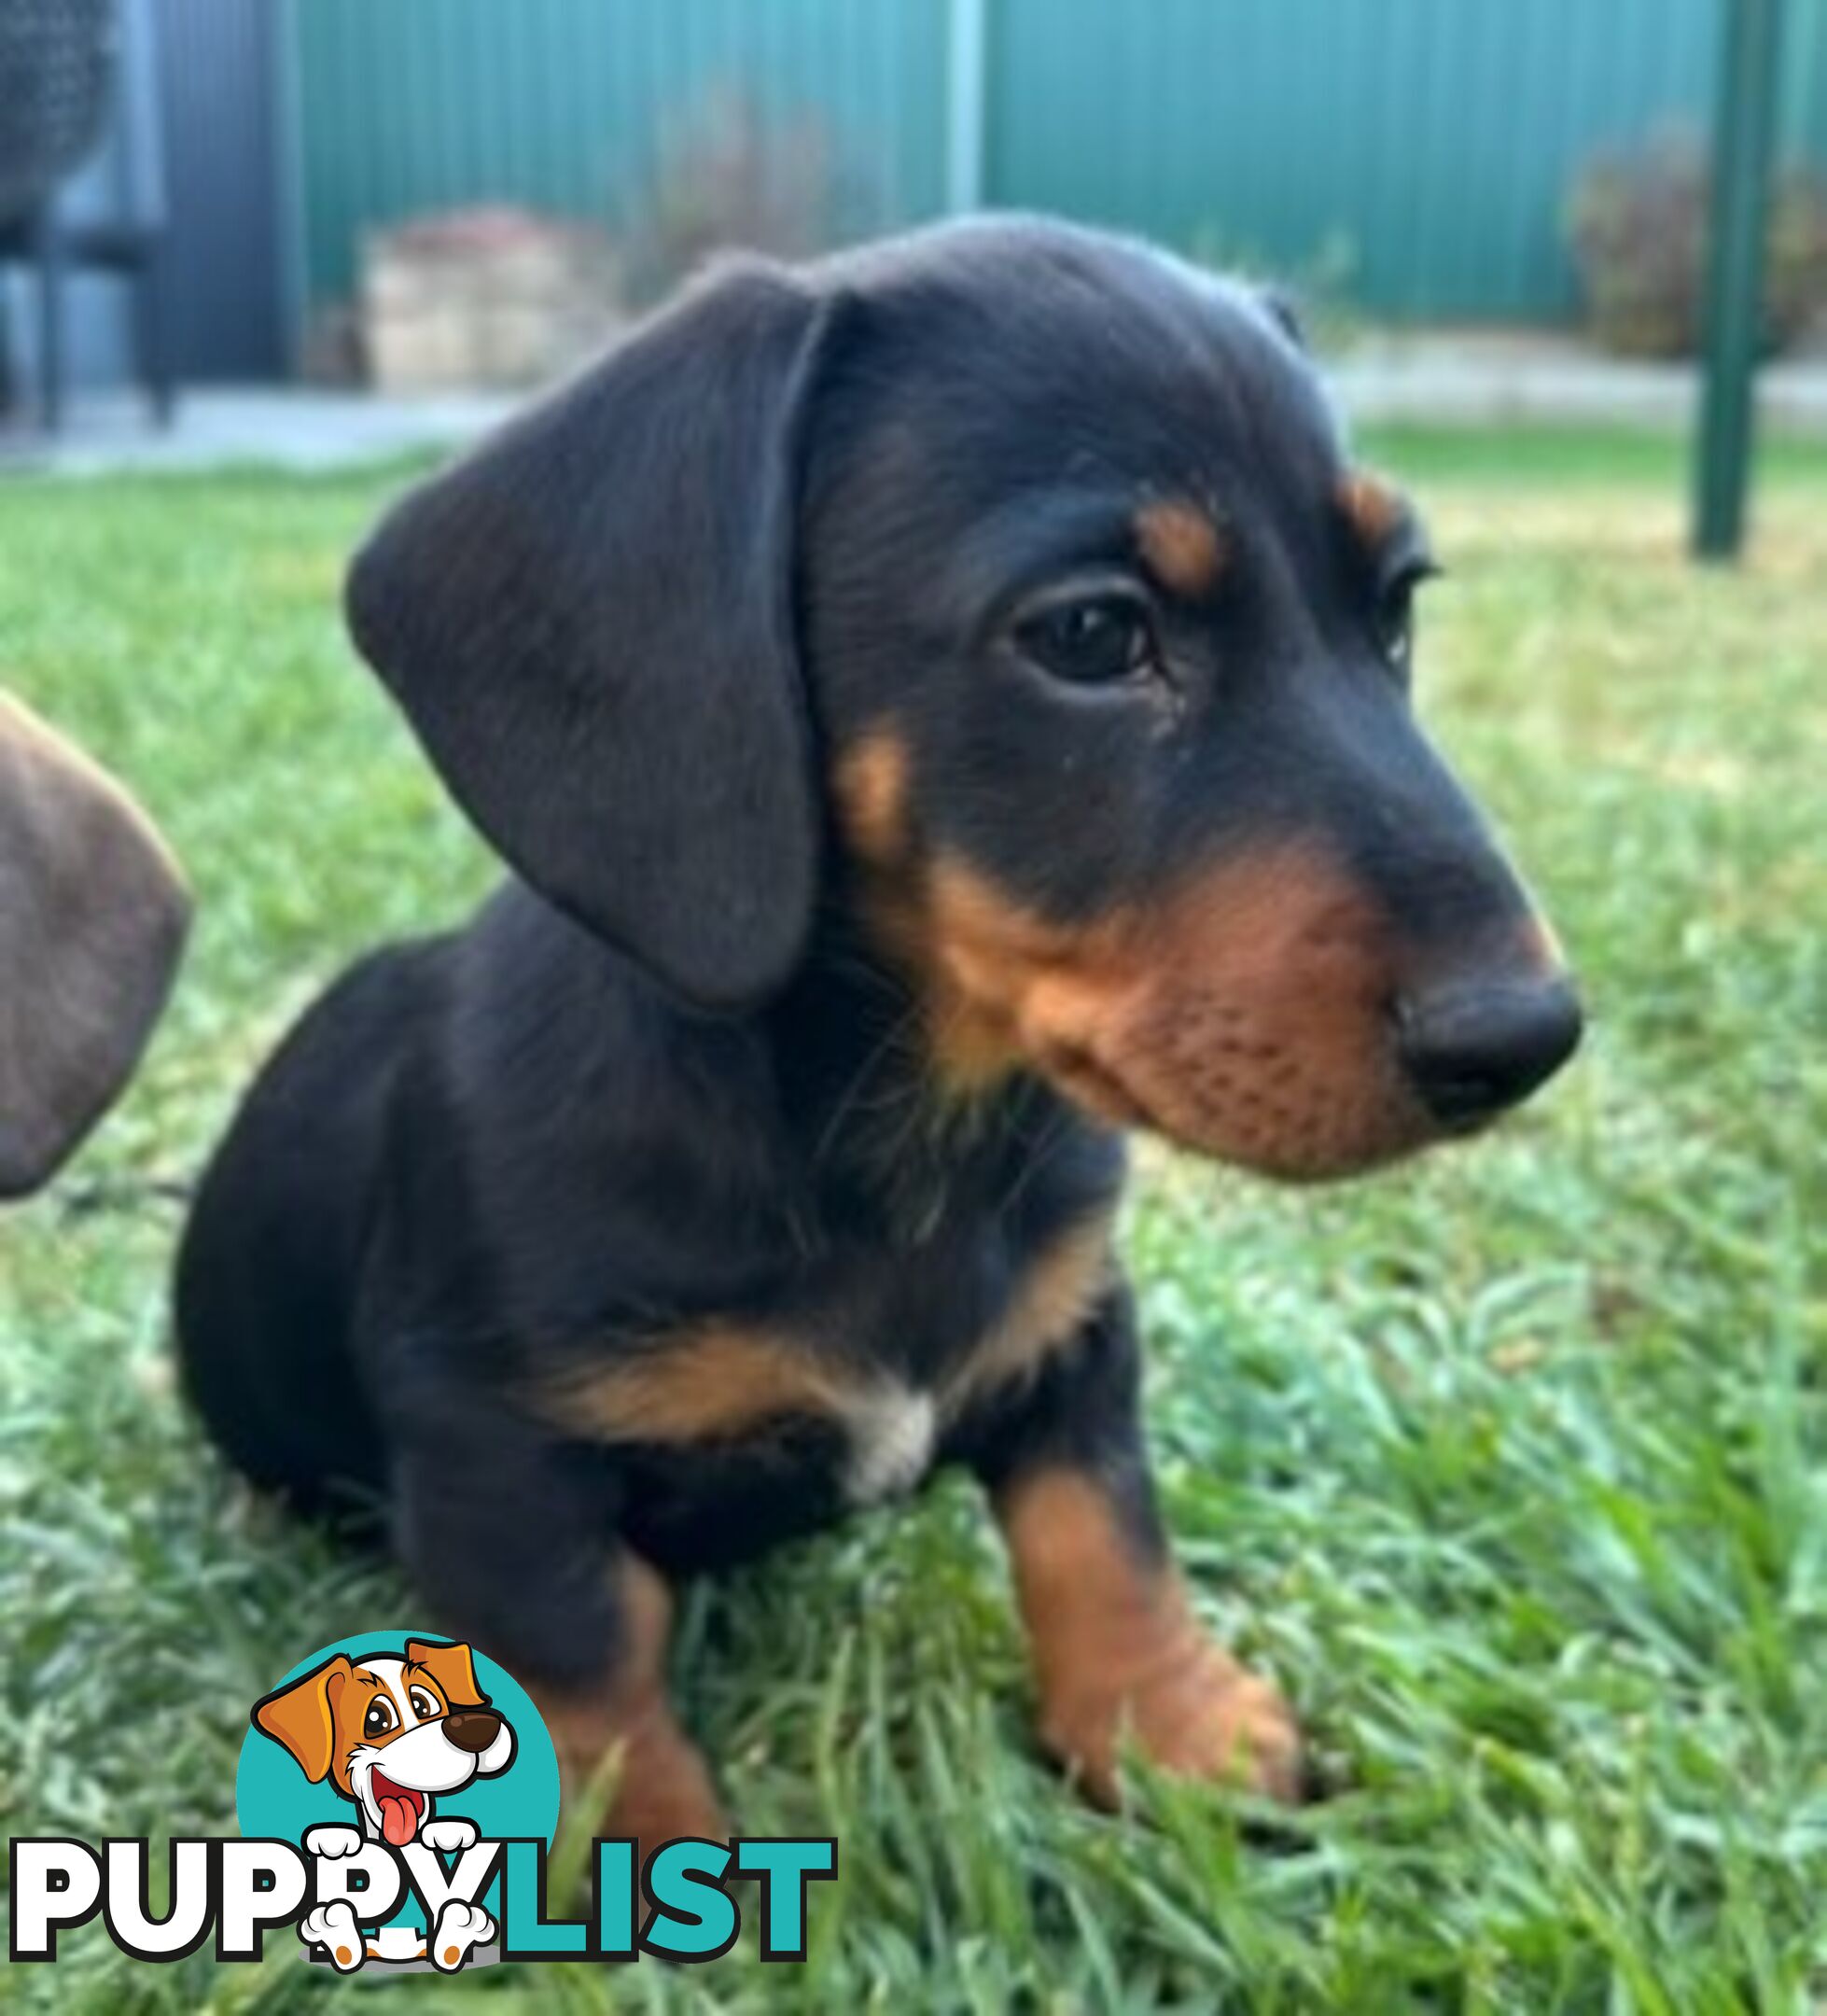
[[1423, 149]]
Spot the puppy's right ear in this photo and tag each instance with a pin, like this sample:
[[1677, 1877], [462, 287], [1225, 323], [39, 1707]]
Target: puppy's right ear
[[590, 623], [301, 1717]]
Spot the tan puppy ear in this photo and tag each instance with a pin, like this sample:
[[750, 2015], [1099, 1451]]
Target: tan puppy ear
[[92, 919], [452, 1667], [301, 1717]]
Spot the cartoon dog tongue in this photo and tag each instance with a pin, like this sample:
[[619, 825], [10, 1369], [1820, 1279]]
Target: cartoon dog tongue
[[400, 1815]]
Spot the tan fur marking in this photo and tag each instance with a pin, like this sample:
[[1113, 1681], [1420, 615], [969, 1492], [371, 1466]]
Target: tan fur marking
[[1372, 508], [1118, 1654], [716, 1382], [720, 1382], [662, 1789], [1049, 1305], [871, 785], [1241, 1014], [1182, 547]]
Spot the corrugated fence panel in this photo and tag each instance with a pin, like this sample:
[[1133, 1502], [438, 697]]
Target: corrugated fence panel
[[1426, 146], [1432, 141], [418, 105]]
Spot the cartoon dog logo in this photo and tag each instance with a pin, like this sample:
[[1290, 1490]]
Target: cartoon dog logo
[[391, 1733]]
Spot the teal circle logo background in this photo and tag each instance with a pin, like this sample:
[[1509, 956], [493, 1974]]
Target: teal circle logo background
[[272, 1795]]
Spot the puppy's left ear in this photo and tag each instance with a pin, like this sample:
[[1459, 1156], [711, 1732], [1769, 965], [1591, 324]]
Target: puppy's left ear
[[453, 1668], [590, 623], [92, 920], [301, 1717]]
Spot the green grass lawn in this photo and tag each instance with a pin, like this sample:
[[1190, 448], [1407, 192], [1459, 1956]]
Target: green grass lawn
[[1512, 1467]]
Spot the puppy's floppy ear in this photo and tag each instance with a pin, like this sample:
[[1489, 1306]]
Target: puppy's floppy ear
[[301, 1717], [92, 920], [589, 624], [452, 1667]]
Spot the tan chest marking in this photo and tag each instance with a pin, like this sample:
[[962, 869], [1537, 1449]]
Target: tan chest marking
[[716, 1382], [722, 1382]]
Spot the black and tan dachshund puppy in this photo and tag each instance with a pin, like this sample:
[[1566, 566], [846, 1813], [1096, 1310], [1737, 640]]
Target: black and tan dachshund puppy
[[943, 707]]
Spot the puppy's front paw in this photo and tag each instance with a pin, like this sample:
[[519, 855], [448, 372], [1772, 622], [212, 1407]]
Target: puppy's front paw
[[461, 1928], [448, 1837], [333, 1928], [664, 1792], [1189, 1709], [332, 1842]]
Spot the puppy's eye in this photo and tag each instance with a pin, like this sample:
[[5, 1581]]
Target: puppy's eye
[[1093, 641], [380, 1717], [1395, 625], [422, 1705], [1395, 615]]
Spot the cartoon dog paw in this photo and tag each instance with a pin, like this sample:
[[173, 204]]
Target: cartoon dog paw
[[332, 1842], [448, 1836], [333, 1928], [461, 1928]]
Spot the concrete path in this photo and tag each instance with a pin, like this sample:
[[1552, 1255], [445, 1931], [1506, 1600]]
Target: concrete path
[[1468, 379], [292, 428], [1475, 378]]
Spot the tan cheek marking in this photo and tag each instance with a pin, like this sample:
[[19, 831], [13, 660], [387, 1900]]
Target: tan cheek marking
[[1118, 1654], [1045, 1313], [1182, 547], [662, 1789], [1241, 1014], [1272, 1050], [981, 953], [1370, 507], [870, 786]]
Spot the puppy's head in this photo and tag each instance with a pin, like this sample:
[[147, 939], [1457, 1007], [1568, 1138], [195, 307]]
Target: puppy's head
[[1012, 588], [390, 1731]]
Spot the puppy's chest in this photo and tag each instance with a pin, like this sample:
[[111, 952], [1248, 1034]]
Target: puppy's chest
[[850, 1389]]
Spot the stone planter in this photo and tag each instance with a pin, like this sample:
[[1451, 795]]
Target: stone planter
[[494, 298]]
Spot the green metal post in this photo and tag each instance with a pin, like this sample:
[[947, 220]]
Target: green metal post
[[1742, 139]]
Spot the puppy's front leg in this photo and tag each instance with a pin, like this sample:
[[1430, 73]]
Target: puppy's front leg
[[662, 1787], [1117, 1653], [512, 1541]]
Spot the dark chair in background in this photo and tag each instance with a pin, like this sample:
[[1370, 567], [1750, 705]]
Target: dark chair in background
[[63, 71]]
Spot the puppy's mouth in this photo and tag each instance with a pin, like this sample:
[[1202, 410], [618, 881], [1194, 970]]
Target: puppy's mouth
[[400, 1807], [1282, 1129]]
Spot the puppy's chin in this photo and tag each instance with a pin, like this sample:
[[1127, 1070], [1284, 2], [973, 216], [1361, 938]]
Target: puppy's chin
[[1296, 1133]]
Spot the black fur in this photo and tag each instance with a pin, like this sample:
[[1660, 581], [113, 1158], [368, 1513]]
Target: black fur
[[674, 1073]]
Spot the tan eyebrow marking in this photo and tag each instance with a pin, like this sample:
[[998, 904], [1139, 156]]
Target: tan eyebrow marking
[[1182, 547], [1372, 509]]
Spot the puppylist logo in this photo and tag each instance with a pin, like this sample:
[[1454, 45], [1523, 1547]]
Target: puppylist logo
[[397, 1795]]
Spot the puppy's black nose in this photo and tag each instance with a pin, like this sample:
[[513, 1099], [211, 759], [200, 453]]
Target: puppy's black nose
[[472, 1729], [1471, 1050]]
